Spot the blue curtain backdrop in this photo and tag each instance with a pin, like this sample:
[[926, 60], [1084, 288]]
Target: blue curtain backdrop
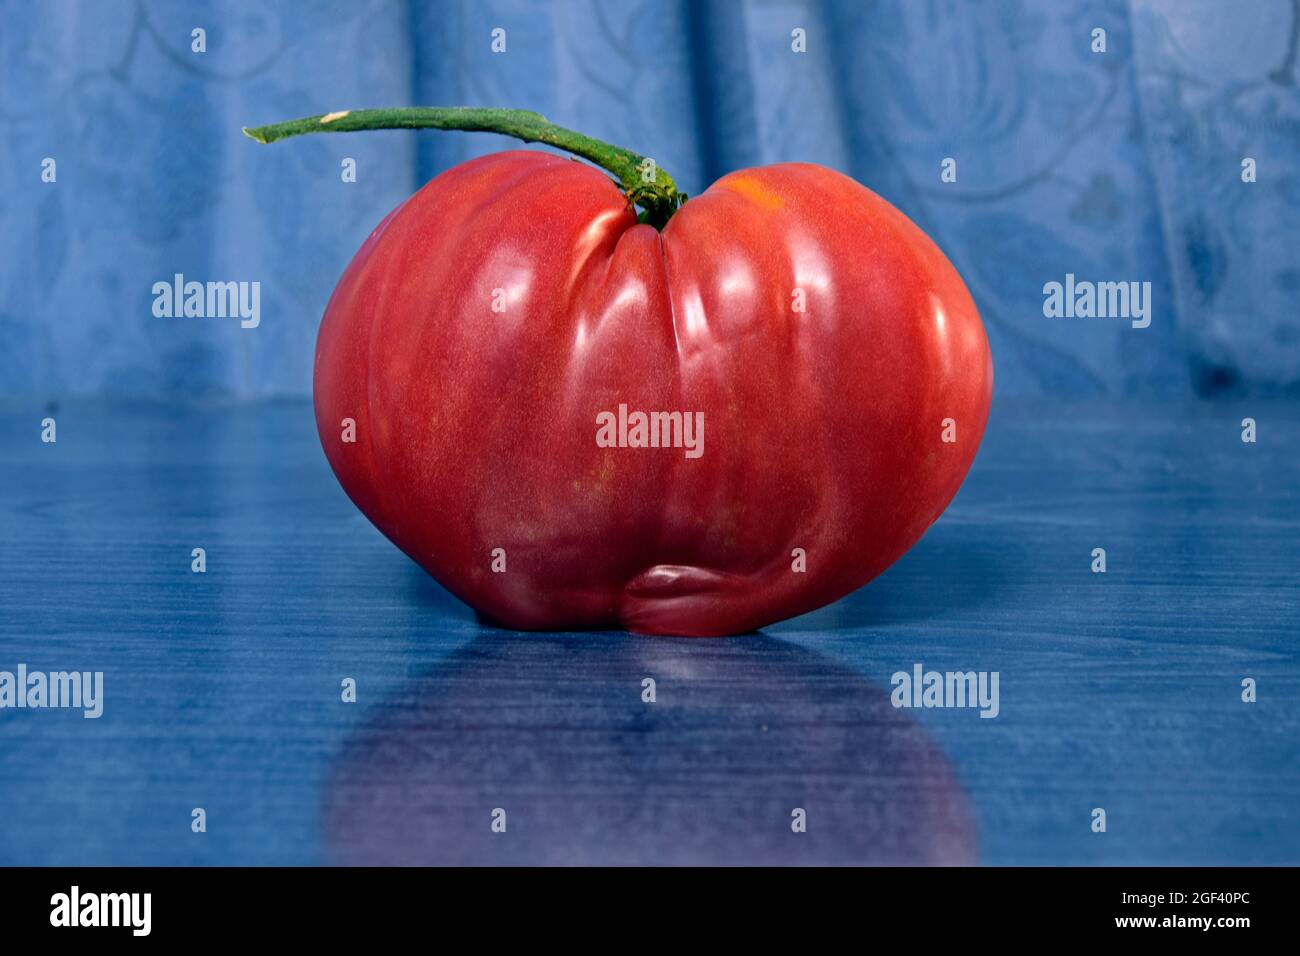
[[1115, 166]]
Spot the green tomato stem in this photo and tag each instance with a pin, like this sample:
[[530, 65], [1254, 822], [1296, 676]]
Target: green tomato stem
[[640, 178]]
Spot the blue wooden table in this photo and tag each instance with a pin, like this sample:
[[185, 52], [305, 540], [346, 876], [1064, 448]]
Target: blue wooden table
[[222, 690]]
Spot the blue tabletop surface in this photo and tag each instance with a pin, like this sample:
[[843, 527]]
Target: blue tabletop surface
[[222, 690]]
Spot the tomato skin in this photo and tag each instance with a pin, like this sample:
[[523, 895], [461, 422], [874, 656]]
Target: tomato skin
[[476, 429]]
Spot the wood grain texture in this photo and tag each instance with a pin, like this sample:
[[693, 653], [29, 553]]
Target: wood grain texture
[[222, 690]]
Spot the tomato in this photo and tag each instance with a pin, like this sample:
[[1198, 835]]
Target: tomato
[[495, 337]]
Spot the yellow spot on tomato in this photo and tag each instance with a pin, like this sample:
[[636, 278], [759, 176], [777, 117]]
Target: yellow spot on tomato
[[754, 191]]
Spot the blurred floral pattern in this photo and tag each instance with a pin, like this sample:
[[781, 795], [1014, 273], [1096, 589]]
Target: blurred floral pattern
[[1116, 166]]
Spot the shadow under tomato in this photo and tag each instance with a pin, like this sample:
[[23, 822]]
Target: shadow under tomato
[[553, 730]]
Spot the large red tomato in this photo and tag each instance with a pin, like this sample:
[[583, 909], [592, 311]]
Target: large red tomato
[[496, 321]]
